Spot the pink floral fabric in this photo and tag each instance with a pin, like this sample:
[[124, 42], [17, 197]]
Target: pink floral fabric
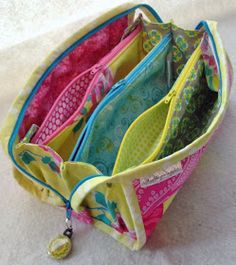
[[210, 63], [80, 59], [83, 216]]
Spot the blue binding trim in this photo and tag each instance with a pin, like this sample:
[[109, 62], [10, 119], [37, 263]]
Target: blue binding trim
[[82, 182], [116, 90], [45, 74]]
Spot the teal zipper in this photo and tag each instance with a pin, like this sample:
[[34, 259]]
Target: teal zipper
[[43, 77], [117, 89], [82, 182], [121, 83]]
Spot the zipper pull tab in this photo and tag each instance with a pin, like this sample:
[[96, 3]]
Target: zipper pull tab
[[96, 68], [169, 96], [120, 83], [60, 246], [31, 132], [133, 26], [169, 70]]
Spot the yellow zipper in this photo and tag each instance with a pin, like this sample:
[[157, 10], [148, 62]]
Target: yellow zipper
[[172, 97], [169, 96]]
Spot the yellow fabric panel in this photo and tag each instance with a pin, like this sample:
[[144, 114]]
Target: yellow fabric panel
[[142, 137], [147, 133], [168, 202], [65, 141], [125, 61]]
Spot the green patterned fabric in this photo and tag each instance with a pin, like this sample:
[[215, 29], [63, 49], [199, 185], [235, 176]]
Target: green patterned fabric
[[196, 107], [184, 42], [101, 144]]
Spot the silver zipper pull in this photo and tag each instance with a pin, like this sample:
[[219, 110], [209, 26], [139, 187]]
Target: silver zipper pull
[[132, 27]]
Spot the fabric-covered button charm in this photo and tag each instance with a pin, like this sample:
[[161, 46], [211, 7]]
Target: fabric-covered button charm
[[59, 247]]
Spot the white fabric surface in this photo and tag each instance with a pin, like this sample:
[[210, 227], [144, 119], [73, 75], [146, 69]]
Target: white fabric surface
[[199, 228]]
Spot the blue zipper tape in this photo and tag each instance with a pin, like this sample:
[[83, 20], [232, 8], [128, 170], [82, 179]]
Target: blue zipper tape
[[115, 91], [45, 74], [52, 66]]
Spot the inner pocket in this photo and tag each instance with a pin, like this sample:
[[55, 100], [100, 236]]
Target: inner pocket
[[91, 86], [74, 60], [153, 80], [176, 121], [70, 120], [196, 107]]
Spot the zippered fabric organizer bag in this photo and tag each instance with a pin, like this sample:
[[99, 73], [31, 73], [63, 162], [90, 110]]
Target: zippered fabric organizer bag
[[111, 125]]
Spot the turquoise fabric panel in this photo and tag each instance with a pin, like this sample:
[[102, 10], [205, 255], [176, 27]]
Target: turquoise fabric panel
[[111, 123]]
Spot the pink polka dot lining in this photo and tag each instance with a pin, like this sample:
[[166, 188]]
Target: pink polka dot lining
[[69, 105], [66, 104], [77, 61]]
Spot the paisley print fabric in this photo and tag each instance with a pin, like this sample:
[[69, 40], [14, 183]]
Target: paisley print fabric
[[117, 202], [194, 110], [151, 198]]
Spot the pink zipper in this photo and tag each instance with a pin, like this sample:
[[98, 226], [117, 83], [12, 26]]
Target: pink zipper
[[95, 71]]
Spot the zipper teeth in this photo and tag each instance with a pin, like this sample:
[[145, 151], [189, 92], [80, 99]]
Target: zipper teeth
[[76, 113], [39, 132], [126, 81], [35, 89], [67, 51], [130, 77], [154, 52], [82, 182], [13, 135], [175, 92], [94, 70]]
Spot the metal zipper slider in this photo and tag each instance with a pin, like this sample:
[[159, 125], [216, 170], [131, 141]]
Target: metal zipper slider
[[133, 26], [96, 68], [169, 96]]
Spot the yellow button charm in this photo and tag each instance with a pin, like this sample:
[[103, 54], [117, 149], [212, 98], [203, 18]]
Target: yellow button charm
[[59, 247]]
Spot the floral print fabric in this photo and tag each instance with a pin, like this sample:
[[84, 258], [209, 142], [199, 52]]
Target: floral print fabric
[[184, 42], [78, 60]]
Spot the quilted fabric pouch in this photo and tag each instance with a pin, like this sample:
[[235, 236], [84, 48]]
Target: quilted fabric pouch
[[129, 106]]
